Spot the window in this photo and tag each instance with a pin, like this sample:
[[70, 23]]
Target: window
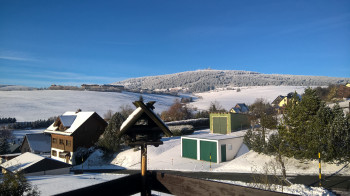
[[64, 154], [61, 141], [68, 143], [54, 140], [54, 153]]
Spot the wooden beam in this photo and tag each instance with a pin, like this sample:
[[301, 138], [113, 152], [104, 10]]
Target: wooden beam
[[127, 185], [140, 143], [179, 185]]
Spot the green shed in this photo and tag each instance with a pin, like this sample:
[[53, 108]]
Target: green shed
[[226, 123], [216, 148]]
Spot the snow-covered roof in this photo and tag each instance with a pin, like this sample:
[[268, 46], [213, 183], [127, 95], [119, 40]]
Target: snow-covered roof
[[31, 163], [81, 117], [134, 116], [211, 136], [39, 142], [22, 162]]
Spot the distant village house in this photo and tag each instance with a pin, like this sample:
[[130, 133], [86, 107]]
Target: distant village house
[[103, 88], [240, 108]]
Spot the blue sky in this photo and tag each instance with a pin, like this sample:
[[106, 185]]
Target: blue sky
[[73, 42]]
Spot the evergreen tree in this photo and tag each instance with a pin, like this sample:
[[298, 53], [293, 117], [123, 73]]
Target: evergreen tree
[[297, 131], [16, 185], [4, 146], [109, 139], [338, 137]]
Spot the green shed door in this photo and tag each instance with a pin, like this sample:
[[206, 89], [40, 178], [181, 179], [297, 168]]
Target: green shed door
[[208, 148], [189, 148], [220, 125], [223, 152]]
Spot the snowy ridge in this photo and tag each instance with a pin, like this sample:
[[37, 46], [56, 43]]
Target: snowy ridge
[[205, 80]]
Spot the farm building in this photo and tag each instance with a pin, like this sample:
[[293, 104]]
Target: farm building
[[216, 148], [226, 123], [34, 165]]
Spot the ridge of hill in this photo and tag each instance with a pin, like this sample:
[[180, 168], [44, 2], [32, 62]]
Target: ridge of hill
[[205, 80]]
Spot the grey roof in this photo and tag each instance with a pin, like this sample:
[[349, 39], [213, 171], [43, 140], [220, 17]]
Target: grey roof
[[67, 120], [243, 107], [39, 142]]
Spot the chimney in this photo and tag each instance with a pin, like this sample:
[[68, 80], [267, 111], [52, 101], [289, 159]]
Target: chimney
[[79, 110]]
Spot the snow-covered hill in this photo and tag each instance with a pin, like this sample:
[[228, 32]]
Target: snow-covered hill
[[205, 80], [229, 98]]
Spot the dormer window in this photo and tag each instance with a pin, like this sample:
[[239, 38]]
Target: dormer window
[[63, 122]]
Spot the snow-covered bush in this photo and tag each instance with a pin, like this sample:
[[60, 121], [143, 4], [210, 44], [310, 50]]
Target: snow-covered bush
[[181, 130]]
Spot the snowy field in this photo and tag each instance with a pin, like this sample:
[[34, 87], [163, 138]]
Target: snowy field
[[229, 98], [35, 105]]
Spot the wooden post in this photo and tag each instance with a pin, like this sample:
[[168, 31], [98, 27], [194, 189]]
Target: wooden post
[[319, 169], [145, 191], [210, 160]]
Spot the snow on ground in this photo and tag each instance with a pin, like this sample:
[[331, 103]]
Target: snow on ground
[[54, 184], [42, 104], [247, 95], [254, 162], [168, 157]]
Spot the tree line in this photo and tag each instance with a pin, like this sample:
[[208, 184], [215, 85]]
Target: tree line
[[31, 125], [7, 120]]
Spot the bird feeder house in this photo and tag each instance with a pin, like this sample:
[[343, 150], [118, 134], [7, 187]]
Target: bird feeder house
[[143, 126]]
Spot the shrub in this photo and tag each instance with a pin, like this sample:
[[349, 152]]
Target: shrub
[[16, 185], [181, 130]]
